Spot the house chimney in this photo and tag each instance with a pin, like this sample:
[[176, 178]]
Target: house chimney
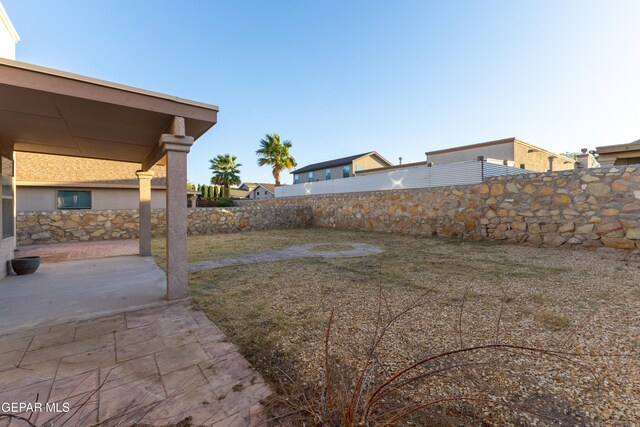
[[551, 163], [400, 158], [582, 159]]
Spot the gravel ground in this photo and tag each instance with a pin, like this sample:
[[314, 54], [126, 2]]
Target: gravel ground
[[561, 300]]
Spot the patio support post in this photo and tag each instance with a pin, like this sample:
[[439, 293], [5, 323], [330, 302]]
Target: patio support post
[[144, 212], [176, 146]]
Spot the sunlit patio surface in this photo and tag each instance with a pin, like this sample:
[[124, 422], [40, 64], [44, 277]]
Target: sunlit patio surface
[[98, 335]]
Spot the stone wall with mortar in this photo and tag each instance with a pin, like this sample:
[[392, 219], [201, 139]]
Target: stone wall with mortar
[[590, 208], [81, 225]]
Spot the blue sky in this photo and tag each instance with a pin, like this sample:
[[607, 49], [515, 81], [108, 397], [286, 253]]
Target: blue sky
[[343, 77]]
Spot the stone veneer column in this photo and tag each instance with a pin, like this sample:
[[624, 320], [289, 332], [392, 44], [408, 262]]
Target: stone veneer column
[[144, 182], [176, 149]]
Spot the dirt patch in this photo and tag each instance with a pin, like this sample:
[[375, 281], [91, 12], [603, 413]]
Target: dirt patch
[[573, 301]]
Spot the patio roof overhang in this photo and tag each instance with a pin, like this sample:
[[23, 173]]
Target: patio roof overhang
[[54, 112]]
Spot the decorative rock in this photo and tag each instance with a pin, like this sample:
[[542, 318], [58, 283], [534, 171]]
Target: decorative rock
[[584, 229], [598, 189], [608, 227], [497, 189], [610, 212], [553, 240], [618, 243], [620, 185], [564, 228], [633, 233]]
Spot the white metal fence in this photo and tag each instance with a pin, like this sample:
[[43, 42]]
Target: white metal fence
[[462, 173]]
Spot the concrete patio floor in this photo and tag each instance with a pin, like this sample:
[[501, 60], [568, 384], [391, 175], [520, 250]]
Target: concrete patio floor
[[56, 252], [74, 290], [152, 366]]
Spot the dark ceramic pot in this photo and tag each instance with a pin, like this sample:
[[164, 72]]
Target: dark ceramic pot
[[25, 265]]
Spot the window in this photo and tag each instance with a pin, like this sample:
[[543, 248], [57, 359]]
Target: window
[[257, 193], [346, 171], [7, 197], [327, 174], [296, 178], [310, 177], [521, 165], [74, 199], [359, 167], [625, 161]]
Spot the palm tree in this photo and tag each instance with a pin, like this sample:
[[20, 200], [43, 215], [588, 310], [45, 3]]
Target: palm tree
[[276, 154], [225, 171]]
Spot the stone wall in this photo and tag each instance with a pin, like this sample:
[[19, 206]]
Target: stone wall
[[590, 208], [81, 225]]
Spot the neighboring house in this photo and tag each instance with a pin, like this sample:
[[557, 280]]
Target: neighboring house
[[339, 168], [237, 193], [47, 182], [8, 36], [620, 154], [262, 191], [512, 151], [247, 186]]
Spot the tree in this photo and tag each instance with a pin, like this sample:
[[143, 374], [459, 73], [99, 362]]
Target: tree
[[570, 154], [276, 154], [199, 188], [225, 171], [215, 192]]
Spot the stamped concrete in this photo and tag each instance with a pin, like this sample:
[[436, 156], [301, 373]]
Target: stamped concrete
[[292, 252], [154, 366], [73, 290]]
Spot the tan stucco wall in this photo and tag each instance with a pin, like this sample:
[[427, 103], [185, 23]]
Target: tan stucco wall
[[538, 161], [515, 151], [499, 151], [44, 198], [7, 33], [33, 167], [368, 162], [7, 45]]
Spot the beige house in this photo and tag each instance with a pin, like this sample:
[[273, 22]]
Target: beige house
[[262, 191], [48, 182], [620, 154], [344, 167], [512, 151]]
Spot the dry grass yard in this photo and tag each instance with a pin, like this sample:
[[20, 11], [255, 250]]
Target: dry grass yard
[[563, 326]]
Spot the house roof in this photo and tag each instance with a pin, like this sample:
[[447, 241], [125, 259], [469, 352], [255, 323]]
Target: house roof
[[269, 187], [631, 146], [337, 162], [54, 112], [238, 194]]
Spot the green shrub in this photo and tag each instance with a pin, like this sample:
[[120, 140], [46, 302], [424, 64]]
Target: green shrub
[[224, 203]]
